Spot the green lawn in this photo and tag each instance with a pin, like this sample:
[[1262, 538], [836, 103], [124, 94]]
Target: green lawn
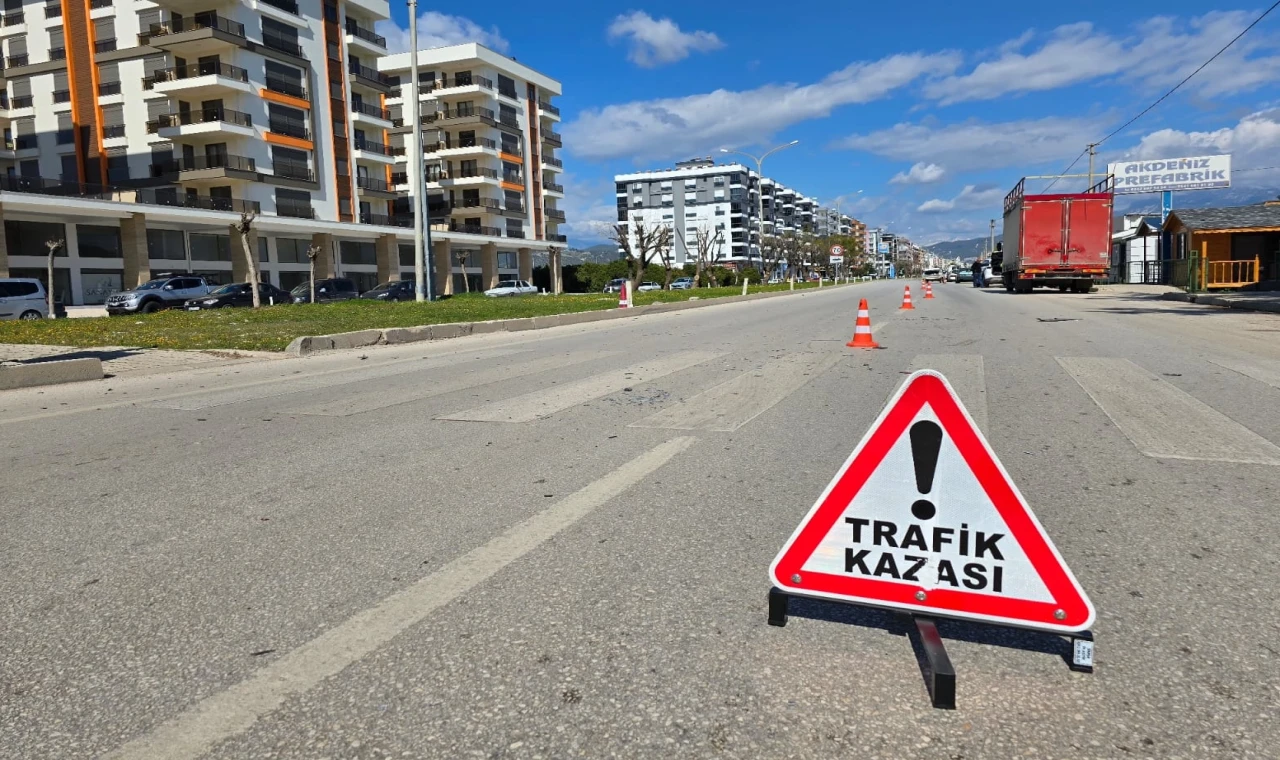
[[272, 328]]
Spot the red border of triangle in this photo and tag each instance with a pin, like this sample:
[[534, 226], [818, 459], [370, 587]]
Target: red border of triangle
[[929, 387]]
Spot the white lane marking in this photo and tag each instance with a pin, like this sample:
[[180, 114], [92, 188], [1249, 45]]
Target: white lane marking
[[360, 402], [732, 404], [1262, 370], [233, 711], [1162, 420], [303, 383], [545, 402], [967, 375]]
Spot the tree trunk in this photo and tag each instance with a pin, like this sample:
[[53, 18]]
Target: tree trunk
[[313, 279], [53, 309], [246, 220]]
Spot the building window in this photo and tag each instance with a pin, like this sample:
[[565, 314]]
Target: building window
[[28, 238], [665, 217], [357, 252], [210, 247], [292, 250], [507, 260], [70, 169], [166, 244], [507, 86], [99, 242]]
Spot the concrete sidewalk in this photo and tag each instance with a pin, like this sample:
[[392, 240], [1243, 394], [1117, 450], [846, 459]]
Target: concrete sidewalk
[[122, 360], [1247, 301]]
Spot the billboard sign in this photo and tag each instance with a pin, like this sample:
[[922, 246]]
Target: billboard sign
[[884, 248], [1167, 174]]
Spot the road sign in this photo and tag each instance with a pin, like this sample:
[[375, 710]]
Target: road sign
[[836, 260], [837, 250], [923, 518]]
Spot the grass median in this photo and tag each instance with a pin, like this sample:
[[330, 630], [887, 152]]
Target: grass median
[[271, 328]]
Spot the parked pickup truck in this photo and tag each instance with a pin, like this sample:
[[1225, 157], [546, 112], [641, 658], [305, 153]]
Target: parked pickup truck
[[161, 293], [1060, 240]]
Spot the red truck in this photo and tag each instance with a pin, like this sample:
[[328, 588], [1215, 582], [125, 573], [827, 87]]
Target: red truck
[[1062, 240]]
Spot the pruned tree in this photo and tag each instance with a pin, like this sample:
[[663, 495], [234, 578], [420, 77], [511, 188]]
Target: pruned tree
[[556, 266], [667, 255], [54, 245], [313, 251], [640, 244], [707, 246], [245, 227], [462, 262]]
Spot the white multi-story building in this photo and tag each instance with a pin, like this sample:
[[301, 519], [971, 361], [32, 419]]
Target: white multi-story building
[[139, 131], [489, 137]]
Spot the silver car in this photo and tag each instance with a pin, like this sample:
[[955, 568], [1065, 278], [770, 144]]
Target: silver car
[[22, 298]]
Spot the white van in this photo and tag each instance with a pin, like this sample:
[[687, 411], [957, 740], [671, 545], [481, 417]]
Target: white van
[[933, 275], [22, 298]]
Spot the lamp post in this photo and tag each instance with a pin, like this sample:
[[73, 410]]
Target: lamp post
[[422, 280], [760, 190], [839, 224]]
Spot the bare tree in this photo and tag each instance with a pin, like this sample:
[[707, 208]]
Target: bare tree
[[462, 262], [649, 242], [707, 246], [53, 245], [313, 251], [667, 255], [557, 269], [771, 253], [245, 227]]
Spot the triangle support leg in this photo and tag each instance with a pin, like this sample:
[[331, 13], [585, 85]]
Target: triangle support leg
[[942, 676], [777, 607]]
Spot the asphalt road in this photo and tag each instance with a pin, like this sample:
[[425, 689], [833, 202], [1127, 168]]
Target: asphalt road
[[555, 544]]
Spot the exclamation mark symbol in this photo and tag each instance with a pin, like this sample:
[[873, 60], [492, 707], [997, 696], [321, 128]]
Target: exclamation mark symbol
[[926, 441]]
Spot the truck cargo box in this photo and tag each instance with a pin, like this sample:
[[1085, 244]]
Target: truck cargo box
[[1060, 239]]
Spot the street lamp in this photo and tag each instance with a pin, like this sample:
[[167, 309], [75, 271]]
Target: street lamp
[[760, 190]]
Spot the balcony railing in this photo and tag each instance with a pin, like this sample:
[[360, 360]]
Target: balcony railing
[[13, 18], [285, 5], [552, 138], [203, 69], [14, 61], [53, 11], [286, 87], [62, 96], [292, 170], [545, 106], [558, 238], [202, 116], [460, 113], [372, 183], [23, 101], [295, 209], [511, 149], [552, 161], [105, 45], [44, 186], [515, 178], [355, 30], [112, 131], [478, 171], [554, 213], [58, 54], [65, 136], [474, 142], [208, 202], [25, 142], [203, 163], [100, 3], [180, 25], [282, 43], [445, 83], [376, 147], [386, 221], [509, 120], [552, 187], [372, 75], [399, 178], [370, 110], [475, 229], [108, 88], [465, 204], [289, 128]]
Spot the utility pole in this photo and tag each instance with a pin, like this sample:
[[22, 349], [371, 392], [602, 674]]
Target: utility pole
[[992, 249], [422, 285], [1093, 148]]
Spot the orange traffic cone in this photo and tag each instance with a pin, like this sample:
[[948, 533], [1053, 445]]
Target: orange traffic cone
[[906, 298], [624, 295], [928, 290], [862, 329]]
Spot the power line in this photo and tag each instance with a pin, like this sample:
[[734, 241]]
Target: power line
[[1175, 88]]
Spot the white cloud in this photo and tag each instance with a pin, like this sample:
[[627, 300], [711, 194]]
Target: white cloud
[[919, 174], [1255, 138], [970, 197], [1161, 53], [674, 127], [977, 144], [655, 42], [439, 30]]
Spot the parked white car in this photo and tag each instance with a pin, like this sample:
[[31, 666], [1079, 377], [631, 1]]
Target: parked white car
[[511, 288], [645, 287], [682, 283], [22, 298]]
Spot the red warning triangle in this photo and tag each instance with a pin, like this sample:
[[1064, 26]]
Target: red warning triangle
[[924, 518]]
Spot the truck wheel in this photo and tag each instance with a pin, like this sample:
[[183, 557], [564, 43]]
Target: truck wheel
[[1064, 288], [151, 307]]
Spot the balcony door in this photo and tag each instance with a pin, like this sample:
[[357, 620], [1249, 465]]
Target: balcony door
[[215, 155]]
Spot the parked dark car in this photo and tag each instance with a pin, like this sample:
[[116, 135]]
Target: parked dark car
[[396, 290], [238, 294], [330, 289]]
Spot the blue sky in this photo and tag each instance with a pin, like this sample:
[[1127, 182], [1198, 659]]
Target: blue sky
[[932, 109]]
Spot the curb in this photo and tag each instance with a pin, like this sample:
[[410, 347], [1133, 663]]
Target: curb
[[307, 345], [49, 373], [1225, 301]]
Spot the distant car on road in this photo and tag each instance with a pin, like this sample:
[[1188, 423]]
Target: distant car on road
[[615, 286], [330, 289], [23, 298], [396, 290], [645, 287], [239, 294], [511, 288], [986, 276], [964, 275], [933, 275], [161, 293], [951, 276], [682, 283]]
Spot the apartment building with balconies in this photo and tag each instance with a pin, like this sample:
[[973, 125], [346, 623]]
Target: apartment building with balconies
[[139, 131], [488, 130], [697, 195]]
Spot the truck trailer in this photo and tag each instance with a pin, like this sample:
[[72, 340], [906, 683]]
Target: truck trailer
[[1059, 240]]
